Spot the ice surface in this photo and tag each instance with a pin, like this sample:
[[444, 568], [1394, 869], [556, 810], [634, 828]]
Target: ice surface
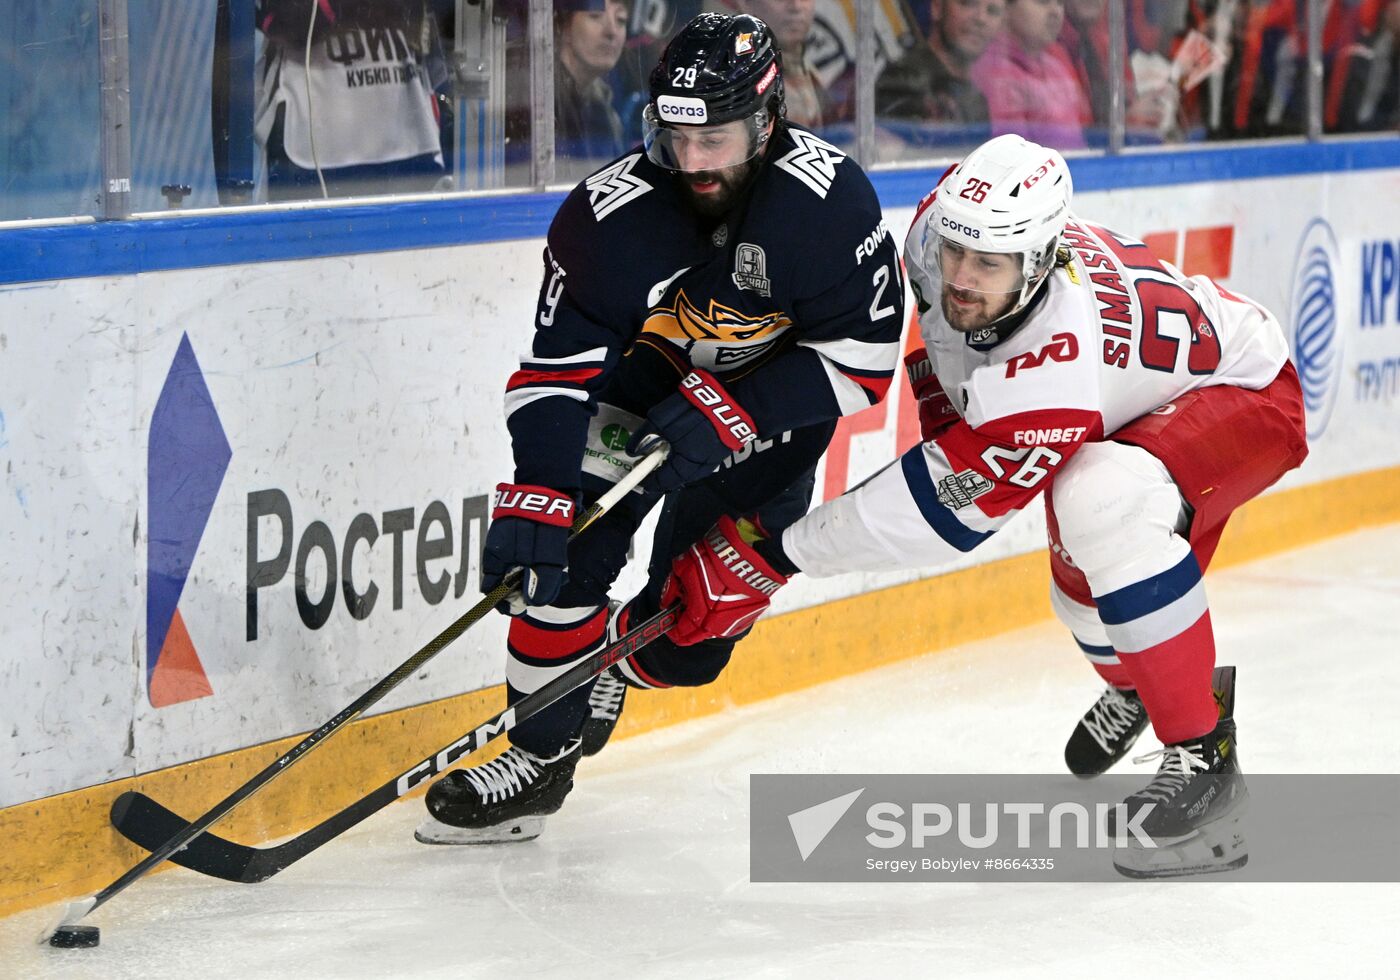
[[645, 871]]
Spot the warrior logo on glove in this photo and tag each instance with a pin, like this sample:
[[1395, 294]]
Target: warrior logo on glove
[[739, 566], [721, 583]]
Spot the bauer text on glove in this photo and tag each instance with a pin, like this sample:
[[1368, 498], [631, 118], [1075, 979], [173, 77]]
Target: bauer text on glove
[[529, 530], [702, 423]]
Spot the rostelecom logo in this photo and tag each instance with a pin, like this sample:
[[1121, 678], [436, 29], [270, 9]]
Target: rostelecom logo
[[187, 456]]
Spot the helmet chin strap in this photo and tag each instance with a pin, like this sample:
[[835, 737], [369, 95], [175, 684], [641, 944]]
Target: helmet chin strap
[[1031, 286], [754, 163], [1028, 294]]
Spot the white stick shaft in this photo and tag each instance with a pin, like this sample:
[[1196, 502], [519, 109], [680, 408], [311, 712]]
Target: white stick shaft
[[631, 481]]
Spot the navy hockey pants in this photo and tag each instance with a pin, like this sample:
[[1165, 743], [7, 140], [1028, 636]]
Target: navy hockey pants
[[773, 479]]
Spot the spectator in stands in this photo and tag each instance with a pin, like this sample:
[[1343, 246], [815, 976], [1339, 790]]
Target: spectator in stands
[[791, 23], [934, 83], [1027, 79], [588, 40], [1084, 38], [1172, 50], [1263, 64], [1152, 95], [589, 36], [1363, 70], [361, 117]]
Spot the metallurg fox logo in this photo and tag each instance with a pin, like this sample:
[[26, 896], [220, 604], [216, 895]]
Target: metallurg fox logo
[[735, 335]]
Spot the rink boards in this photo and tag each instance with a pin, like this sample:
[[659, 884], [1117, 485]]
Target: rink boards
[[247, 460]]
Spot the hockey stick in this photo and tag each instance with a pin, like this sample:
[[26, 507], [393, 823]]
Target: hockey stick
[[78, 910], [145, 822]]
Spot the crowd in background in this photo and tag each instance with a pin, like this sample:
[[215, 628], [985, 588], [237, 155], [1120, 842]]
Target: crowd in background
[[952, 73], [967, 69], [370, 105]]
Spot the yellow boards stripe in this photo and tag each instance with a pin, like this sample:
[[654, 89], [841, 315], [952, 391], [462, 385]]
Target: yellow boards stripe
[[63, 846]]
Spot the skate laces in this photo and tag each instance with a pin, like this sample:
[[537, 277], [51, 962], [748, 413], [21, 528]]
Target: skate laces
[[508, 773], [1112, 714], [605, 700], [1179, 763]]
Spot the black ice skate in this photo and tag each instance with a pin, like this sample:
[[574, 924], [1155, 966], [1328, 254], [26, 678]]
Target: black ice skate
[[1198, 797], [604, 709], [1106, 732], [503, 800]]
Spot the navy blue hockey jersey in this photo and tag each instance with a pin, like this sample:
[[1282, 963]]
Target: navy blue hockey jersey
[[795, 300]]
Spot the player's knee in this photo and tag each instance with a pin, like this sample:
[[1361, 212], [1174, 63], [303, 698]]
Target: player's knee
[[689, 666], [1081, 620], [1115, 503]]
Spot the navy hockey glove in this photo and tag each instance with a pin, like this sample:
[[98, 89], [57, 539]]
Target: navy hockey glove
[[529, 530], [702, 423]]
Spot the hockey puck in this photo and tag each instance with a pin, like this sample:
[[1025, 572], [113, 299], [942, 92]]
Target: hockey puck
[[76, 937]]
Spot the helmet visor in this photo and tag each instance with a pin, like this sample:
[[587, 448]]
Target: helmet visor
[[968, 270], [694, 149]]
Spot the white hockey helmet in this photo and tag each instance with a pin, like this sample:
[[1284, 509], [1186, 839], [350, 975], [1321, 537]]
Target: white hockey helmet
[[1009, 196]]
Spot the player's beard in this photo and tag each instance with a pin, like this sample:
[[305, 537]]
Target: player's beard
[[732, 181], [968, 311]]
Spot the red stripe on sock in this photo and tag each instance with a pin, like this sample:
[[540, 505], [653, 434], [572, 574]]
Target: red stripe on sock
[[1114, 674], [536, 641], [1173, 680]]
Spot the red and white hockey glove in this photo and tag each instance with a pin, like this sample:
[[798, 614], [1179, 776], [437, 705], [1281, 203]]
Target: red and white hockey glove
[[936, 411], [529, 530], [703, 424], [722, 585]]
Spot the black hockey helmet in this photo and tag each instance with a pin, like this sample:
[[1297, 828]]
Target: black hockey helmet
[[718, 69], [727, 61]]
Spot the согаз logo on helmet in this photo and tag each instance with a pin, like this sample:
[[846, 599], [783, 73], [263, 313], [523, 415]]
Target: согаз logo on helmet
[[959, 227], [680, 108], [1316, 339]]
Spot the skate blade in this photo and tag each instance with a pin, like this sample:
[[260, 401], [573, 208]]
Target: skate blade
[[433, 831], [1213, 849]]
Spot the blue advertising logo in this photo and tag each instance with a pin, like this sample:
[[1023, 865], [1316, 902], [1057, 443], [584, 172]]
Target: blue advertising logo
[[1317, 337], [187, 456]]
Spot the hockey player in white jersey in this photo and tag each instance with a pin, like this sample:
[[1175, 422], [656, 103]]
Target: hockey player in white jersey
[[1062, 358]]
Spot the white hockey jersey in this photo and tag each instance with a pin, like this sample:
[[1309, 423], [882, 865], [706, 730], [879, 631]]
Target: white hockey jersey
[[365, 91], [1115, 335]]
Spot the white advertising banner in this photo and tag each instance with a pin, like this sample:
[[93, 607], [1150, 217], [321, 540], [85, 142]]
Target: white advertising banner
[[231, 499]]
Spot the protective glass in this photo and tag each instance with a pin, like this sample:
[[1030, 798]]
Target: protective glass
[[691, 149]]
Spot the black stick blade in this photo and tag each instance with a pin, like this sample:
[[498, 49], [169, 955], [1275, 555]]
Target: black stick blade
[[147, 824]]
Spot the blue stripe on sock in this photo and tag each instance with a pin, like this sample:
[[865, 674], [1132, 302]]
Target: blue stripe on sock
[[1094, 651], [1149, 595]]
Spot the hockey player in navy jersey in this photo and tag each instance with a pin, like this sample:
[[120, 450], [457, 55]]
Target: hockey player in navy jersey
[[1062, 358], [727, 287]]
